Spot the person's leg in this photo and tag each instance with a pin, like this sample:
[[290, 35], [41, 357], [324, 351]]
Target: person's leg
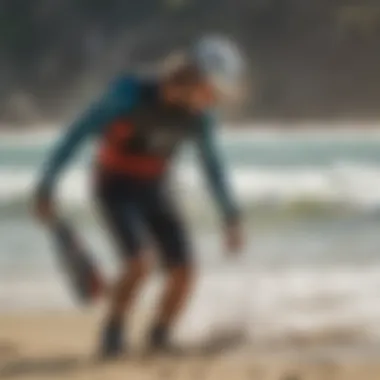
[[178, 285], [167, 227], [132, 274], [122, 222], [122, 295]]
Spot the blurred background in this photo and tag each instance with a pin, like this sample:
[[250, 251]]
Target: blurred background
[[309, 58], [304, 154]]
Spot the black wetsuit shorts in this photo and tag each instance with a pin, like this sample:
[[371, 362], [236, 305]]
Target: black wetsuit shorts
[[138, 211]]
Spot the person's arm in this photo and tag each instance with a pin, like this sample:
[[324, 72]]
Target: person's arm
[[118, 100], [215, 170]]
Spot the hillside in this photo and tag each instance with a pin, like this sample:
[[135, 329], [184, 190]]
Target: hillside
[[307, 58]]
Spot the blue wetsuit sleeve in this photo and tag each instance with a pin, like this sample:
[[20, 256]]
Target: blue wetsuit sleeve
[[118, 100], [214, 168]]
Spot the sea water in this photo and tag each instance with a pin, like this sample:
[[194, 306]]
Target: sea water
[[311, 204]]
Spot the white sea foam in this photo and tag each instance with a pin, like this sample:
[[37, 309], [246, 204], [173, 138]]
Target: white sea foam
[[350, 184], [262, 305]]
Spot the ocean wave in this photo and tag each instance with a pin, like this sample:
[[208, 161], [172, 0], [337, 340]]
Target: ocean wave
[[238, 132], [27, 137], [341, 186], [296, 305], [293, 303]]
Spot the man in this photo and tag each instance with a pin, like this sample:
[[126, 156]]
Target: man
[[140, 123]]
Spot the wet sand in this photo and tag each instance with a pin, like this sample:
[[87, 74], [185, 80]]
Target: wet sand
[[63, 346]]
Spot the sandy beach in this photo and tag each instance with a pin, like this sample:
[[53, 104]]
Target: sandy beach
[[61, 346], [304, 292]]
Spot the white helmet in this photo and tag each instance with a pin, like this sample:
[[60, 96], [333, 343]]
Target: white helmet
[[220, 60]]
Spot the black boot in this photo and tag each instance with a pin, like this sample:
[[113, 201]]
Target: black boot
[[160, 342], [112, 341], [159, 338]]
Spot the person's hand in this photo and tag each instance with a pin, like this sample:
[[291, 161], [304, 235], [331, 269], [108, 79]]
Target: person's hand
[[44, 209], [234, 237]]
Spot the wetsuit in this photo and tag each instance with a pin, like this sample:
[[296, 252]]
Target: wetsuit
[[138, 136]]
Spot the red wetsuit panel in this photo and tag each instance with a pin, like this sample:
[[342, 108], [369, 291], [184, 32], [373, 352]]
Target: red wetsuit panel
[[115, 157]]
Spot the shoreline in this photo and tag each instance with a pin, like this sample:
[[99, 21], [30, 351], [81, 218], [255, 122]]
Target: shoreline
[[62, 346]]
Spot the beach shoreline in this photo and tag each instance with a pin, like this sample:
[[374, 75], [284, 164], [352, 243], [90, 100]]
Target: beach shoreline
[[59, 345]]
